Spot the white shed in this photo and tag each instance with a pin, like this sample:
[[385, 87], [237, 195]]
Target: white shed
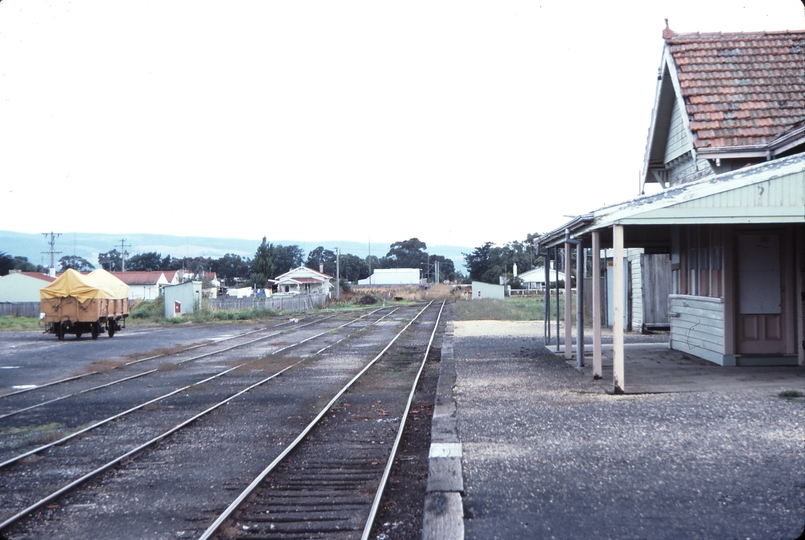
[[182, 299], [392, 276], [485, 291]]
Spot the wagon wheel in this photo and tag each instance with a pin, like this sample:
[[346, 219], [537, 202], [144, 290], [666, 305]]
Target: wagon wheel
[[59, 332], [96, 329], [111, 325]]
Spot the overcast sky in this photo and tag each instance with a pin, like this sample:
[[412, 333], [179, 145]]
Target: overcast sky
[[454, 122]]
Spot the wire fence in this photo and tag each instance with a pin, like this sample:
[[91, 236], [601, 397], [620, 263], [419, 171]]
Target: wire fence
[[299, 302]]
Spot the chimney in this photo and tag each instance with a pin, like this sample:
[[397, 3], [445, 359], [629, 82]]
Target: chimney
[[667, 33], [321, 268]]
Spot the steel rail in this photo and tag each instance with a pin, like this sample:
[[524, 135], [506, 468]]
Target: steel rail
[[75, 483], [154, 357], [124, 379], [387, 472], [117, 416], [213, 528]]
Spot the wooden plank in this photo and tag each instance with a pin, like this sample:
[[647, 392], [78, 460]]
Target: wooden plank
[[698, 341], [443, 517]]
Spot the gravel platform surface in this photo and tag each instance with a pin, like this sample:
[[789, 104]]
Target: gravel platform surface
[[547, 453]]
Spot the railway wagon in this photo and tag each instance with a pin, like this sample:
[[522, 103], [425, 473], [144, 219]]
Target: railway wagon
[[93, 304]]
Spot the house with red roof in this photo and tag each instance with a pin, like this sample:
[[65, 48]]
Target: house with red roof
[[23, 286], [143, 285], [726, 146], [304, 280]]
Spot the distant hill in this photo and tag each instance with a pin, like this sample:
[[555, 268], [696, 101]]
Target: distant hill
[[89, 245]]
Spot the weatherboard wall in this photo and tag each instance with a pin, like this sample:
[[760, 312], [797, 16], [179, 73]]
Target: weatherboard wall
[[697, 326]]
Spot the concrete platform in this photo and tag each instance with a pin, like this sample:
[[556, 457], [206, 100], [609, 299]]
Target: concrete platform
[[651, 368], [524, 446]]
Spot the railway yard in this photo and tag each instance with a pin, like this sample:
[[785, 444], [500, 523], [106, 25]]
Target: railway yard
[[283, 429]]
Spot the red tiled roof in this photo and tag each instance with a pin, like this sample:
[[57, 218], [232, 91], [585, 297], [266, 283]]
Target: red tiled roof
[[740, 89], [138, 277], [38, 275]]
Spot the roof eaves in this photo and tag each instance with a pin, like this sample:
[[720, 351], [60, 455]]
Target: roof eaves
[[557, 236]]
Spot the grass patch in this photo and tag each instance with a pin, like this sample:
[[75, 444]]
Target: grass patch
[[791, 394], [16, 437], [16, 324], [509, 309]]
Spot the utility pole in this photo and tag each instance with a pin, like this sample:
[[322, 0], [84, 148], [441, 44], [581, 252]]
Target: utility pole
[[123, 254], [52, 251], [337, 273]]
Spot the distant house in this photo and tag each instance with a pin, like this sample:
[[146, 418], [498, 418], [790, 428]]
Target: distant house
[[174, 277], [303, 280], [22, 286], [392, 276], [726, 145], [143, 285], [535, 279]]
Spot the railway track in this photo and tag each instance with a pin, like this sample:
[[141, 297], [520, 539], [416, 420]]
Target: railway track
[[238, 391], [59, 405], [328, 483]]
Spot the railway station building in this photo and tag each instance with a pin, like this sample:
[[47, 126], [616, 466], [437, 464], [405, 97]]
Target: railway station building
[[726, 147]]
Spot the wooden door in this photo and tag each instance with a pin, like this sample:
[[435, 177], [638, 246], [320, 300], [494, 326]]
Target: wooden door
[[656, 288], [761, 309]]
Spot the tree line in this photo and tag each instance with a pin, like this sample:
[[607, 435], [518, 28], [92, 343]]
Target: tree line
[[487, 262], [269, 261]]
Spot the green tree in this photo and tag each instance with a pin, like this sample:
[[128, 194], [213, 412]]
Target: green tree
[[111, 261], [321, 256], [193, 265], [406, 254], [145, 262], [287, 258], [23, 265], [79, 264], [262, 268], [479, 261], [492, 275], [353, 267], [6, 263], [231, 268], [372, 262], [501, 259]]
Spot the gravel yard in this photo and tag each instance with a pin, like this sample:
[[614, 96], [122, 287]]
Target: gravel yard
[[549, 454]]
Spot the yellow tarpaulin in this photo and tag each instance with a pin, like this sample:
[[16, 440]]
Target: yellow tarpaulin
[[98, 284], [110, 282]]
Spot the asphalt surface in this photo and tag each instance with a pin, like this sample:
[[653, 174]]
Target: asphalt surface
[[546, 452]]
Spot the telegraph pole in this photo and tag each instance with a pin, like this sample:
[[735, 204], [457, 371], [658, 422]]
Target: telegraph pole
[[123, 254], [337, 273], [52, 251]]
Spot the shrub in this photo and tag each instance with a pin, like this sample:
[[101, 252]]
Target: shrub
[[149, 309]]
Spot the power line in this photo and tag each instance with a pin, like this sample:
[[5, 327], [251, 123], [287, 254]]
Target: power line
[[52, 251]]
